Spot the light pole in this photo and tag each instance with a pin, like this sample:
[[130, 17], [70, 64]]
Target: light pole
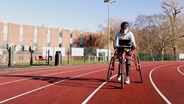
[[109, 3]]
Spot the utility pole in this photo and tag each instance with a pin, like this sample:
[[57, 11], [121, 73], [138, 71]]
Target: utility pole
[[109, 3]]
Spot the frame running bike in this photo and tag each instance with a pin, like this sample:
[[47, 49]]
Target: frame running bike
[[122, 57]]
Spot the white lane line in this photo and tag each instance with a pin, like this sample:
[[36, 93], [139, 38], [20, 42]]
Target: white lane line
[[43, 87], [93, 93], [41, 70], [180, 70], [2, 76], [29, 69], [14, 81], [158, 91]]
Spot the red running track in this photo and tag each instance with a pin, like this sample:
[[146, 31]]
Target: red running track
[[163, 83]]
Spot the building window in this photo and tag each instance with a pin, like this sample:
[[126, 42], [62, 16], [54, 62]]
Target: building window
[[48, 37], [71, 39], [60, 45], [81, 40], [48, 44], [71, 34], [21, 34], [21, 58], [35, 36], [60, 39], [5, 34]]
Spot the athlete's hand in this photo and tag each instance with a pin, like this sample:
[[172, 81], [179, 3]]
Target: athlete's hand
[[132, 47]]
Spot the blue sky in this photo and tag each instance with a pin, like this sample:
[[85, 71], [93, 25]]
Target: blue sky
[[83, 15]]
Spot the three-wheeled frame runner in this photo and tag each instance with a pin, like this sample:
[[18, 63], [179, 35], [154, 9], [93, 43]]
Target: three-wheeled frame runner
[[122, 57]]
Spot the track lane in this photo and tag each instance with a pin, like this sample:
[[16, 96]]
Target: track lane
[[70, 91], [31, 84], [38, 70], [77, 89], [9, 78], [170, 82], [134, 93]]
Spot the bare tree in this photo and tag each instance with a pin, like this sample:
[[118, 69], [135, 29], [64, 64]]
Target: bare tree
[[172, 10], [114, 28], [163, 32], [155, 32], [180, 33], [96, 41], [145, 29]]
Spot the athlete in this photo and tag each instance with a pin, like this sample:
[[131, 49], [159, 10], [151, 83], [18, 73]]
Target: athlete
[[125, 33]]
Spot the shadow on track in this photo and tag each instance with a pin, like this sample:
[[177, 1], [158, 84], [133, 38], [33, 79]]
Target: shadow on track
[[74, 82]]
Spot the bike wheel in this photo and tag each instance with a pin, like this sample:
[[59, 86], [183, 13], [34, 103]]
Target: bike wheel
[[109, 73], [122, 74], [140, 69]]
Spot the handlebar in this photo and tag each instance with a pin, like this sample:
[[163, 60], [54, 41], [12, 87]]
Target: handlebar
[[123, 47]]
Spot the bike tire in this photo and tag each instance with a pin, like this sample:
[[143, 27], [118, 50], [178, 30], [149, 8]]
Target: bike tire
[[109, 73], [122, 74], [140, 69]]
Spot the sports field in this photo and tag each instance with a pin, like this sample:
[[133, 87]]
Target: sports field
[[163, 83]]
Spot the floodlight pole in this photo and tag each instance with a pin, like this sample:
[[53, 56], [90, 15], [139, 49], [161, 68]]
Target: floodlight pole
[[108, 31], [109, 3]]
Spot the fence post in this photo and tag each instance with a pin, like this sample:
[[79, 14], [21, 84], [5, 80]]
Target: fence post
[[9, 58], [68, 57]]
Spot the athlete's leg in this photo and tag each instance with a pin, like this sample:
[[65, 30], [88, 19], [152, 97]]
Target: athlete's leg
[[128, 66]]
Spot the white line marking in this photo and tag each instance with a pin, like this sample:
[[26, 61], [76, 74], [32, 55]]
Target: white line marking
[[30, 72], [40, 88], [14, 81], [31, 91], [40, 70], [93, 93], [163, 97], [179, 69]]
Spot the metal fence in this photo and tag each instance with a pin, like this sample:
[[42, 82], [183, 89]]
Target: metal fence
[[9, 57], [155, 56], [90, 56]]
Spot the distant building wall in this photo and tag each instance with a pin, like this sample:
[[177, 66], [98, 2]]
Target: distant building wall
[[1, 33], [28, 38], [66, 39], [27, 35], [41, 37], [76, 36], [13, 34], [54, 37]]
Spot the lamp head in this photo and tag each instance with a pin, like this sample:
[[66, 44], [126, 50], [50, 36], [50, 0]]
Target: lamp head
[[106, 0]]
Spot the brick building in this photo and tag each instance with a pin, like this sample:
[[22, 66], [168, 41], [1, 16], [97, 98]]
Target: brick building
[[13, 34], [24, 36], [1, 33]]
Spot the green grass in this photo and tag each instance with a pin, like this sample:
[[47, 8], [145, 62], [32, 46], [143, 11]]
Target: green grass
[[22, 66], [64, 62], [76, 62]]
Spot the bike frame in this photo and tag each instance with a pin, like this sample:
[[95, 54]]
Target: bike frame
[[124, 56]]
